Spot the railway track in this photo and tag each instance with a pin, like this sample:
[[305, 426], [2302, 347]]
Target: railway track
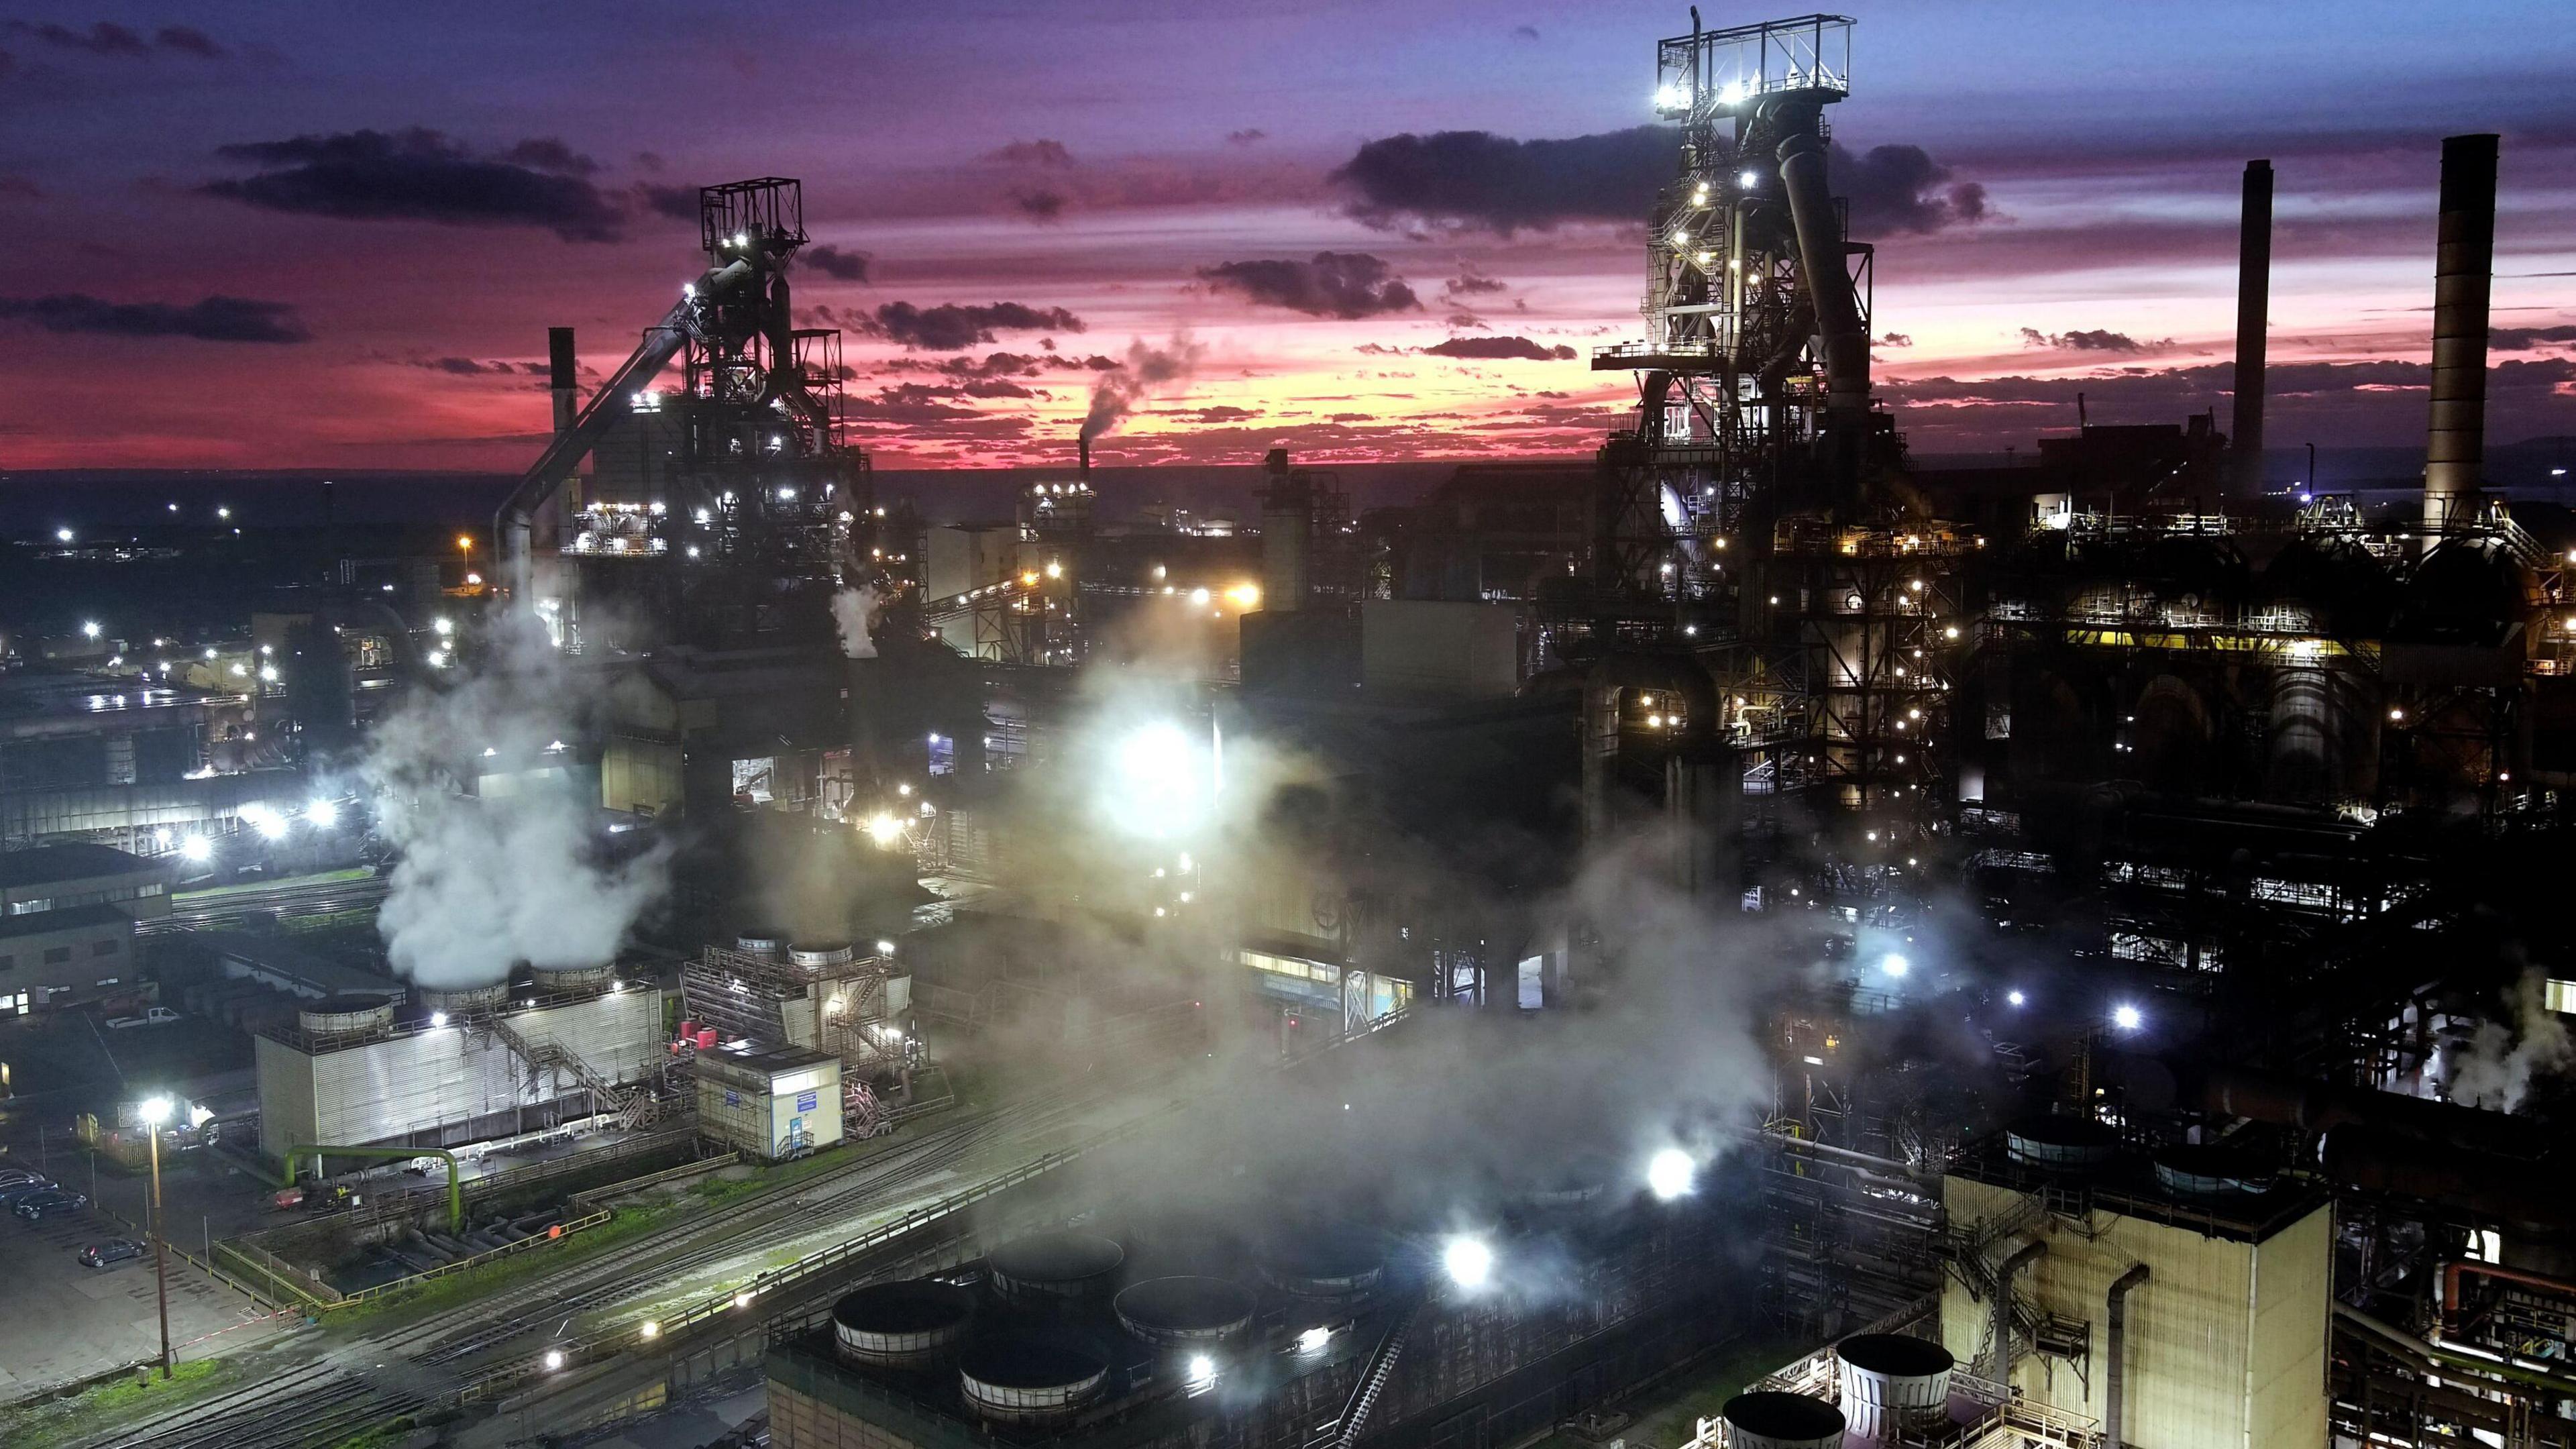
[[321, 1402]]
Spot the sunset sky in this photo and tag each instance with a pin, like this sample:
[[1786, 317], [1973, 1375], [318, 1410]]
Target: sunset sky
[[333, 235]]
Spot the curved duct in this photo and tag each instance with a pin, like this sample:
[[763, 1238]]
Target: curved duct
[[2026, 1254], [1828, 284]]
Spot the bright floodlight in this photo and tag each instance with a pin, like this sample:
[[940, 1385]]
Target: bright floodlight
[[63, 535], [1314, 1339], [196, 850], [2015, 997], [89, 629], [324, 814], [1202, 1368], [438, 1018], [2127, 1017], [1895, 965], [1749, 180], [1669, 1173], [554, 1359], [884, 829], [1158, 783], [272, 826], [154, 1110], [1468, 1261], [1671, 98]]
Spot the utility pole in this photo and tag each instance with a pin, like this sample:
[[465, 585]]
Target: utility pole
[[154, 1113]]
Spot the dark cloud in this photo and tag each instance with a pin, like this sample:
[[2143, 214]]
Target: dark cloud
[[1479, 179], [216, 319], [1223, 413], [1476, 179], [995, 387], [1524, 32], [649, 160], [461, 366], [188, 40], [2092, 339], [1352, 418], [104, 38], [1461, 320], [1032, 153], [1039, 205], [1248, 136], [545, 153], [833, 262], [418, 175], [2523, 339], [949, 326], [909, 402], [1900, 189], [1896, 339], [677, 202], [1493, 349], [1330, 284], [1470, 282]]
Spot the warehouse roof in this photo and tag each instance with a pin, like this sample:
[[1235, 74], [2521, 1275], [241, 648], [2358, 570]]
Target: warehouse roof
[[48, 863]]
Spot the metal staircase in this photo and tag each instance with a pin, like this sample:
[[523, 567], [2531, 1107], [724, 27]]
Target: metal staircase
[[630, 1106], [1345, 1431]]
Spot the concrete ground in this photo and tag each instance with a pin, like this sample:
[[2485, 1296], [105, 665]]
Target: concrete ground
[[65, 1321]]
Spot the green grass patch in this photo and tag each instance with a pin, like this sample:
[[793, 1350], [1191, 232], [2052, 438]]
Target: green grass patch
[[100, 1409], [392, 1431], [624, 1225]]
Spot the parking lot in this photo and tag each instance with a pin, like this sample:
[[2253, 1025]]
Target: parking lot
[[65, 1321]]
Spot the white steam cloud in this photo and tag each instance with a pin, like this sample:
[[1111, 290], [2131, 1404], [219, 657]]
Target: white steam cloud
[[2496, 1067], [854, 613], [515, 873]]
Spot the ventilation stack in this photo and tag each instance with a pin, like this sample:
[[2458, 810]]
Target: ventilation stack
[[2463, 274], [1287, 532], [562, 378], [2253, 309]]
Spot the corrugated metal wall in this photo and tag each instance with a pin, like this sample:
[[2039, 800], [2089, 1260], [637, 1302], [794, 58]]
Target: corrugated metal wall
[[2219, 1354], [390, 1089], [285, 1097]]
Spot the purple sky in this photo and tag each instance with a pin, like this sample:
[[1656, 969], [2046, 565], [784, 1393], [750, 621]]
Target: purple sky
[[334, 235]]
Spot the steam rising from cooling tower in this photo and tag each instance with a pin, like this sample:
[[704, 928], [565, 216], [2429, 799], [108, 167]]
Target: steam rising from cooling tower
[[1146, 372], [2496, 1067], [513, 874]]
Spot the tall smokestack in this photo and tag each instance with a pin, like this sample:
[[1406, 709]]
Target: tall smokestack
[[566, 387], [2253, 310], [1085, 444], [2463, 274]]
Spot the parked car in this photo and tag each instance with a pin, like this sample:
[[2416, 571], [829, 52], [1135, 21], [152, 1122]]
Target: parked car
[[157, 1016], [38, 1205], [112, 1252], [11, 1192], [11, 1176]]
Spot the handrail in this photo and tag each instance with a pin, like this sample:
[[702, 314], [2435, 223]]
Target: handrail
[[555, 1232], [455, 1174]]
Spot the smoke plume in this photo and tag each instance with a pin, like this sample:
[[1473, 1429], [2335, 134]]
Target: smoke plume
[[515, 871], [2496, 1068], [854, 613], [1146, 372]]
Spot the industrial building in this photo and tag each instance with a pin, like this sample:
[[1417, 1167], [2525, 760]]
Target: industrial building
[[460, 1065], [67, 915]]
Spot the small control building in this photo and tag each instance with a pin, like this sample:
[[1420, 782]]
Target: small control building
[[772, 1105]]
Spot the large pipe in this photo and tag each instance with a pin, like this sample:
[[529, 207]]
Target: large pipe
[[2463, 274], [2253, 309], [2454, 1271], [2115, 1387], [1820, 259], [2027, 1253], [2324, 1106]]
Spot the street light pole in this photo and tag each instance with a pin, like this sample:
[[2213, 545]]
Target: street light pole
[[154, 1113]]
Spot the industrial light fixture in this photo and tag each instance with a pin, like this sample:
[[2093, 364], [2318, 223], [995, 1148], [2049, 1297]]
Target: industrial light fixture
[[438, 1018], [1468, 1261], [1313, 1340], [1895, 965], [1670, 1174], [2016, 998], [1749, 180], [650, 1329], [2127, 1017], [554, 1359]]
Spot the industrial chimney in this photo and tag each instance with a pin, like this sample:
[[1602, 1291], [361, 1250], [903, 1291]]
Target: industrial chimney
[[562, 380], [1085, 444], [2463, 274], [2253, 307]]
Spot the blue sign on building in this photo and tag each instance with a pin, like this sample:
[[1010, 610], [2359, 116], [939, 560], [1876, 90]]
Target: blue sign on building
[[733, 1098], [805, 1101]]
